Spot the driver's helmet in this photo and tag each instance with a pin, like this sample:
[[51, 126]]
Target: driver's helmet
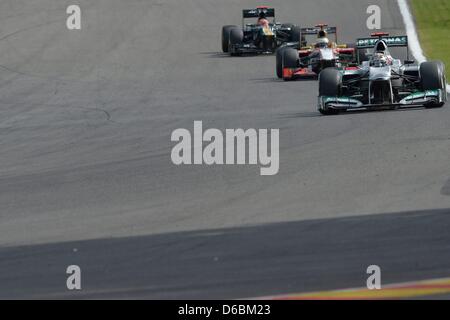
[[262, 18], [263, 22], [322, 42], [322, 34], [381, 47], [379, 60]]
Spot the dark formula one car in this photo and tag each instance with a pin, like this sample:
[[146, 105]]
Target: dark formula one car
[[382, 82], [309, 60], [262, 37]]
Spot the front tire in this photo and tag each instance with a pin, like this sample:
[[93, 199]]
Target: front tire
[[432, 77], [236, 37], [290, 59], [279, 63], [226, 37], [330, 84]]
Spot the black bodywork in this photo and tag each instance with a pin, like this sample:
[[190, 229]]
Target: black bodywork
[[257, 40]]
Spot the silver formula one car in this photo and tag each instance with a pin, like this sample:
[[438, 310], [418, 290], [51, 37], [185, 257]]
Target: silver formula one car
[[382, 82]]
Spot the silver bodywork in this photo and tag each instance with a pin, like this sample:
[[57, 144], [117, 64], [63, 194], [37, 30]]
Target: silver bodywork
[[379, 83]]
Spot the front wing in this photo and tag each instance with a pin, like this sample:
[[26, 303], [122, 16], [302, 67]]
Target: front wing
[[298, 73], [417, 99], [248, 48]]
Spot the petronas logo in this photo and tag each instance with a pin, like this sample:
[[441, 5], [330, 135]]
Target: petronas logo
[[403, 40]]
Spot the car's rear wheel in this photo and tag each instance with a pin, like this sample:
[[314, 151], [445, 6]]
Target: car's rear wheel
[[330, 84], [226, 37], [432, 77], [361, 54], [288, 26], [296, 35]]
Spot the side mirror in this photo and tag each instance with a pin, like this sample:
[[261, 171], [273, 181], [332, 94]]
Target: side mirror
[[409, 62]]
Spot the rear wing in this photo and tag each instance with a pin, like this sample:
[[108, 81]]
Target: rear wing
[[315, 30], [366, 43], [255, 13]]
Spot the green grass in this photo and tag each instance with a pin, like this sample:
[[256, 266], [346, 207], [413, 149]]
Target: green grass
[[433, 24]]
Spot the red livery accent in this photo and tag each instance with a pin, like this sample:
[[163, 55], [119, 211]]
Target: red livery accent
[[379, 34], [287, 73], [296, 73], [304, 53], [346, 50]]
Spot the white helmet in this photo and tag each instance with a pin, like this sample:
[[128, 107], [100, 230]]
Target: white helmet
[[322, 42]]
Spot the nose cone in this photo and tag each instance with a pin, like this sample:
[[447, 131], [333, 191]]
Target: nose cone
[[380, 73]]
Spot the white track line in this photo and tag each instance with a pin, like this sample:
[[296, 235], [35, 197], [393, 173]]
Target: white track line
[[411, 32]]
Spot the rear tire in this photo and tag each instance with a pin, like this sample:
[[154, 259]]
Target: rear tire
[[330, 84], [287, 25], [296, 36], [361, 54], [432, 77], [226, 37]]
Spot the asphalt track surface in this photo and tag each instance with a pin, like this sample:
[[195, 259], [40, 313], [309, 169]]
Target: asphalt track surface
[[86, 176]]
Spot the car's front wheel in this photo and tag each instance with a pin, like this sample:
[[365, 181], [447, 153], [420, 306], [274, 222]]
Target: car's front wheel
[[290, 58], [330, 84], [226, 37], [432, 77], [236, 37], [279, 61]]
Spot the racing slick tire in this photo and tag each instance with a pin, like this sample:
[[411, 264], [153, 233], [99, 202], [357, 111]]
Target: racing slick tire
[[296, 35], [361, 54], [432, 77], [236, 37], [279, 59], [290, 59], [287, 25], [330, 84], [226, 37]]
